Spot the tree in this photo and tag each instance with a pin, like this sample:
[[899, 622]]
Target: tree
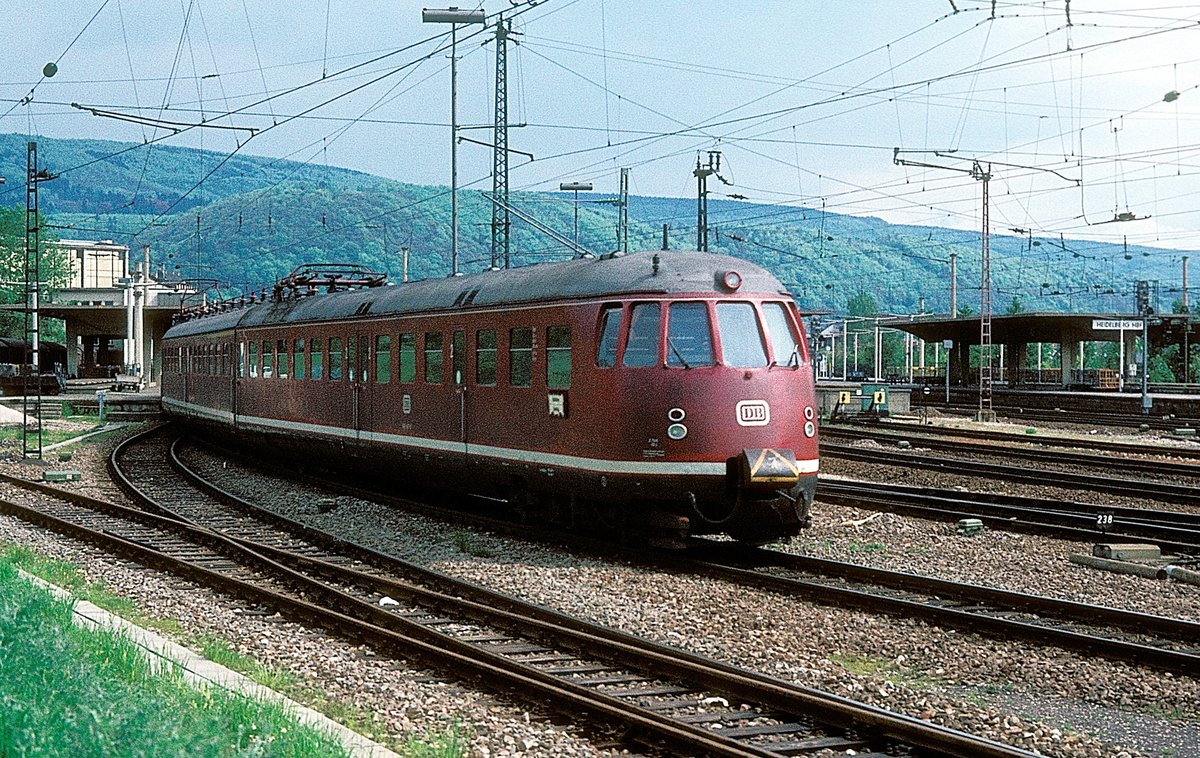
[[1016, 307], [55, 271]]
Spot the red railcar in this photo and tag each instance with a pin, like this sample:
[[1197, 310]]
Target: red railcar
[[667, 391]]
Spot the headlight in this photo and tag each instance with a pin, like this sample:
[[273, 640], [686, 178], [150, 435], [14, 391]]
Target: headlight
[[678, 431], [809, 428]]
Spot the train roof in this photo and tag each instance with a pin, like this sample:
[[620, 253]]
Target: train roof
[[661, 272]]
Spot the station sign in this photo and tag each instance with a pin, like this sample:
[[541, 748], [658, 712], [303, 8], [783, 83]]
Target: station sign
[[1114, 324]]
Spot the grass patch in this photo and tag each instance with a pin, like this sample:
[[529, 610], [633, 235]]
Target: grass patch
[[862, 665], [866, 547], [69, 577], [71, 691], [466, 542], [450, 743]]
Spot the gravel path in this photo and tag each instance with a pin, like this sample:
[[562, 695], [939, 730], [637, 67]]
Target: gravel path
[[1034, 697]]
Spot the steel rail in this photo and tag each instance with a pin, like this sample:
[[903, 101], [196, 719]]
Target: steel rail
[[1007, 513], [1047, 440], [984, 599], [1013, 449], [774, 694], [1074, 416], [1154, 490], [975, 608]]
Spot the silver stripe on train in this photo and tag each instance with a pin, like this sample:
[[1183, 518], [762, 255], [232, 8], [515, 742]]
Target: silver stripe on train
[[524, 456]]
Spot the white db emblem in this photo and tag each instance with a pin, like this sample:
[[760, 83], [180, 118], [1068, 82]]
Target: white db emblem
[[753, 413]]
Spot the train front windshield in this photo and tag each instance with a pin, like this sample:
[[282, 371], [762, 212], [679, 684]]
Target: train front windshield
[[749, 337]]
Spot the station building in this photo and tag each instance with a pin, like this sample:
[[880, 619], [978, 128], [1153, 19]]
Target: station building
[[115, 311]]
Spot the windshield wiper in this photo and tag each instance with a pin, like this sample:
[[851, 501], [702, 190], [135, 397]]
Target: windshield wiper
[[679, 355]]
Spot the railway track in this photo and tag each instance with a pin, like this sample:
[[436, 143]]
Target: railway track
[[1157, 641], [1014, 447], [1086, 418], [1173, 531], [1184, 494], [662, 696], [1138, 638], [1126, 636]]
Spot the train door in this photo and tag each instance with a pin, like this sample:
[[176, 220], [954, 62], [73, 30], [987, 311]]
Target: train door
[[358, 367], [458, 375]]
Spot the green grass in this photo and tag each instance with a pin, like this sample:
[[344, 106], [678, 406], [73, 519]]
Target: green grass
[[867, 547], [884, 668], [69, 691], [53, 436], [468, 543], [448, 743]]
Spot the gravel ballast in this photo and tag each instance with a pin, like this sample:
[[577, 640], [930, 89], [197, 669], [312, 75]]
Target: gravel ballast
[[1025, 695]]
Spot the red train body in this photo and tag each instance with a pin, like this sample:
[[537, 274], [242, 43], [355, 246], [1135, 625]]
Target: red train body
[[663, 390]]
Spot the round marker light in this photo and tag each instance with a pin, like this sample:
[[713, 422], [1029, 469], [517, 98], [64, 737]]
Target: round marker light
[[732, 280], [809, 428], [808, 412], [677, 414], [677, 431]]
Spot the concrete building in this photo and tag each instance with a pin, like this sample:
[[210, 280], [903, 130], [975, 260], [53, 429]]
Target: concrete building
[[115, 312]]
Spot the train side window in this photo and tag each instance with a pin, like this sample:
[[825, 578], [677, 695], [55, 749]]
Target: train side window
[[241, 372], [408, 358], [610, 330], [641, 349], [520, 357], [458, 355], [433, 357], [558, 357], [335, 357], [689, 335], [785, 351], [298, 351], [485, 357], [365, 356], [318, 359], [741, 339], [383, 359], [253, 359], [352, 358], [283, 369], [268, 348]]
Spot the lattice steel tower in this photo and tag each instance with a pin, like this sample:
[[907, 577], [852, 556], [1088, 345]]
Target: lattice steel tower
[[501, 219]]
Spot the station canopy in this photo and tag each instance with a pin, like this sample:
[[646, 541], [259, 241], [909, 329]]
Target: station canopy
[[1029, 328]]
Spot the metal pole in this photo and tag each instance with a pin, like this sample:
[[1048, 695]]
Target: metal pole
[[953, 285], [1146, 364], [454, 17], [845, 346], [453, 150]]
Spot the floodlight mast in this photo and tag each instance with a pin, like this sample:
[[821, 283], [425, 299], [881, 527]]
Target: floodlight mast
[[453, 16], [576, 187]]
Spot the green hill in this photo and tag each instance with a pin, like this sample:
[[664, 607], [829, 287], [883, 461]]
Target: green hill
[[259, 218]]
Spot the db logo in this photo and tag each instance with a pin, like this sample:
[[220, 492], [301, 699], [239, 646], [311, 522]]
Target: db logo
[[753, 413]]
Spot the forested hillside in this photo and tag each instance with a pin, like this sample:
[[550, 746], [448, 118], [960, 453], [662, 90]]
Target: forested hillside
[[255, 219]]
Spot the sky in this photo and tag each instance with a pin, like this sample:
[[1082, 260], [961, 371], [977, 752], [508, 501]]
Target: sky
[[1065, 105]]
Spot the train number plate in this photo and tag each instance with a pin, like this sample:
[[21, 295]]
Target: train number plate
[[753, 413]]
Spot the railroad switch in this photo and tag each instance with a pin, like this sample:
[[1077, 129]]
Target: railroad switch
[[969, 527], [66, 475]]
